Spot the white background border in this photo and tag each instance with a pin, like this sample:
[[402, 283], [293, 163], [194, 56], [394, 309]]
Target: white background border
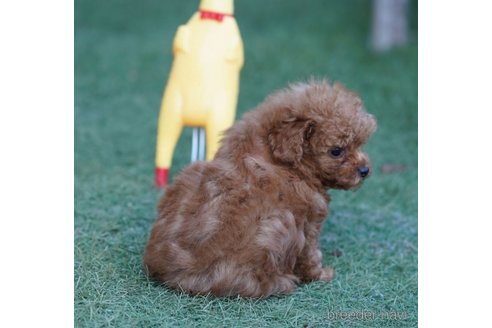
[[36, 163], [455, 136]]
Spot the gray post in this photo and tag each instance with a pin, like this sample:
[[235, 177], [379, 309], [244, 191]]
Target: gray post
[[389, 24]]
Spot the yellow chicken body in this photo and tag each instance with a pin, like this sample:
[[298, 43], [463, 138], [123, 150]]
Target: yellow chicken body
[[203, 85]]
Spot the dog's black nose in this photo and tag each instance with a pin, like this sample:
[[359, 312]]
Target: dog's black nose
[[363, 171]]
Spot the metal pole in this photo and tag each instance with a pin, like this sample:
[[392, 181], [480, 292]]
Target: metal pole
[[201, 145], [194, 145]]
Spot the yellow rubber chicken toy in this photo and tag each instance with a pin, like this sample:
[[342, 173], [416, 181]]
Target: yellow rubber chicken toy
[[203, 85]]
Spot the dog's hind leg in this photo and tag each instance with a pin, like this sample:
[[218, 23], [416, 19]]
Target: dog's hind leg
[[270, 261], [280, 242]]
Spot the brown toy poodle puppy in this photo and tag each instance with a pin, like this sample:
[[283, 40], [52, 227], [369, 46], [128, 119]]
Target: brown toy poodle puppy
[[248, 222]]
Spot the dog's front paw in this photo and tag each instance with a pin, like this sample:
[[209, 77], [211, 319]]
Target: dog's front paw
[[326, 274]]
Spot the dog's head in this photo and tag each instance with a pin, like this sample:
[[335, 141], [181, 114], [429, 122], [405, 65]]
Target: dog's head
[[321, 130]]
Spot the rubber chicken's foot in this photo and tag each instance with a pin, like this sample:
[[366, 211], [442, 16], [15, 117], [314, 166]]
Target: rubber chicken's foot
[[161, 176]]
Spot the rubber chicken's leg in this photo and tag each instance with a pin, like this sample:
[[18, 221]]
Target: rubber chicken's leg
[[169, 130], [219, 121]]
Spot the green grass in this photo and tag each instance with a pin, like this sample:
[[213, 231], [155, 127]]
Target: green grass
[[122, 58]]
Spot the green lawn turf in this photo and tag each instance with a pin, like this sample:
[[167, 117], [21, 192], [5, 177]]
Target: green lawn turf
[[122, 59]]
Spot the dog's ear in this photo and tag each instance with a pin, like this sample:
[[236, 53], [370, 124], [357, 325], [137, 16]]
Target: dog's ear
[[288, 139]]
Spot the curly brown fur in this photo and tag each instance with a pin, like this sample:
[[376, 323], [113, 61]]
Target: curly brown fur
[[248, 222]]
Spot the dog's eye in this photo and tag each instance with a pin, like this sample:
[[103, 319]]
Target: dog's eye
[[336, 152]]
